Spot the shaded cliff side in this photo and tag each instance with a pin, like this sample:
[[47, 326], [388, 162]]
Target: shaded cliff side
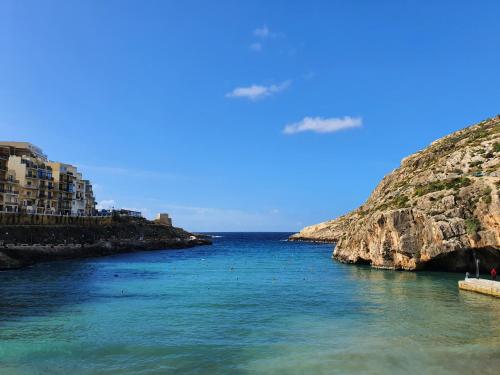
[[439, 210], [24, 245]]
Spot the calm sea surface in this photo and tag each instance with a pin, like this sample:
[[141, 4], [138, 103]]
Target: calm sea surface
[[249, 304]]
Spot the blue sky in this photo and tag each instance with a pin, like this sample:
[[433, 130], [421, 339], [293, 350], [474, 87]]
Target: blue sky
[[243, 115]]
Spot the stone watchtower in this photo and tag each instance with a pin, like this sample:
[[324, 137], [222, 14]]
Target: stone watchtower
[[163, 219]]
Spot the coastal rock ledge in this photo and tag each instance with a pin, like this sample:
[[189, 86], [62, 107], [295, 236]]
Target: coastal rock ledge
[[439, 210], [29, 243]]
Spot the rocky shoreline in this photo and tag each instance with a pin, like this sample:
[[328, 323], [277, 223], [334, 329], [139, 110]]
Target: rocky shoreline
[[25, 245], [439, 210], [14, 257]]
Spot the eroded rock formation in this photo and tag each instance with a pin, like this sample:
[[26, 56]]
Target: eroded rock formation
[[440, 209]]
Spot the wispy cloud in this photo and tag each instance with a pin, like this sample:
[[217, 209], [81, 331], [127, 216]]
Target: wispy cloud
[[262, 36], [264, 32], [257, 47], [255, 92], [323, 125], [214, 218]]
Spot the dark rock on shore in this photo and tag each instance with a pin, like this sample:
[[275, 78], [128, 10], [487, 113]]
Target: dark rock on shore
[[24, 245]]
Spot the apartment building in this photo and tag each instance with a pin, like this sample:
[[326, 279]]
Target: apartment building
[[90, 202], [35, 182], [9, 186], [30, 183]]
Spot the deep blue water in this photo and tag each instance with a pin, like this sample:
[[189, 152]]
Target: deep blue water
[[249, 304]]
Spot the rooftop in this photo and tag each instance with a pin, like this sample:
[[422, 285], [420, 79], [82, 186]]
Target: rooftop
[[37, 151]]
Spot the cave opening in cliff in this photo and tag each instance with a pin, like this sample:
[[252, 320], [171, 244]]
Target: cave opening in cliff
[[363, 261], [464, 260]]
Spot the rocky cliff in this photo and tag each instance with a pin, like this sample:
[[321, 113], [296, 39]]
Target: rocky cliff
[[24, 245], [439, 210]]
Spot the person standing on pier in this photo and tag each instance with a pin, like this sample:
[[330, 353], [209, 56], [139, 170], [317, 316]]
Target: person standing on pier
[[493, 274]]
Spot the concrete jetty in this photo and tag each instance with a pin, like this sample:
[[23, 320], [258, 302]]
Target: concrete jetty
[[489, 287]]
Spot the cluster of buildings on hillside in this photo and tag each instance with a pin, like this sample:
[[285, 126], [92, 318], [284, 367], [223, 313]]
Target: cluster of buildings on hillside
[[30, 183]]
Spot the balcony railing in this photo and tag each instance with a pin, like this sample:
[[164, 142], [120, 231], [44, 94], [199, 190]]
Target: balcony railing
[[9, 180]]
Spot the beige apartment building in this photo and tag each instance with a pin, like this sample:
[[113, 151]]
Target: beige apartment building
[[9, 186], [30, 183], [90, 202]]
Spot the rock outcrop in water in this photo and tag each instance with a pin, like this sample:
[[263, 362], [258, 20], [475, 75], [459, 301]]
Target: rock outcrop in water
[[439, 210], [24, 245]]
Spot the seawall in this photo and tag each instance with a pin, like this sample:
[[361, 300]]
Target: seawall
[[26, 244], [28, 219]]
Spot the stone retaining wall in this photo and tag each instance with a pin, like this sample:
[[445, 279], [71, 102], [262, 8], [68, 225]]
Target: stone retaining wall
[[28, 219]]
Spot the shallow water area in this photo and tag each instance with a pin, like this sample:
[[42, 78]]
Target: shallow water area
[[249, 304]]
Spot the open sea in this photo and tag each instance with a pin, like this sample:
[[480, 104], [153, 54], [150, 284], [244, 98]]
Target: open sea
[[250, 304]]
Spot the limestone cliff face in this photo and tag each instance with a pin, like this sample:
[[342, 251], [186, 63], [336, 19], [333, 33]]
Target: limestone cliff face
[[431, 212]]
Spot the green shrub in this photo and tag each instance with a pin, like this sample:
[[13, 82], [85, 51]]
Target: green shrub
[[453, 183], [472, 226], [401, 201], [496, 147], [475, 163], [487, 195]]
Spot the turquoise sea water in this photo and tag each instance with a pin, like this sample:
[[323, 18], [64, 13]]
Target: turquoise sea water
[[249, 304]]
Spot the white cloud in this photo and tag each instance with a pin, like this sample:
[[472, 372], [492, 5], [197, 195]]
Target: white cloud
[[262, 32], [261, 36], [323, 125], [255, 92], [257, 47], [106, 204]]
